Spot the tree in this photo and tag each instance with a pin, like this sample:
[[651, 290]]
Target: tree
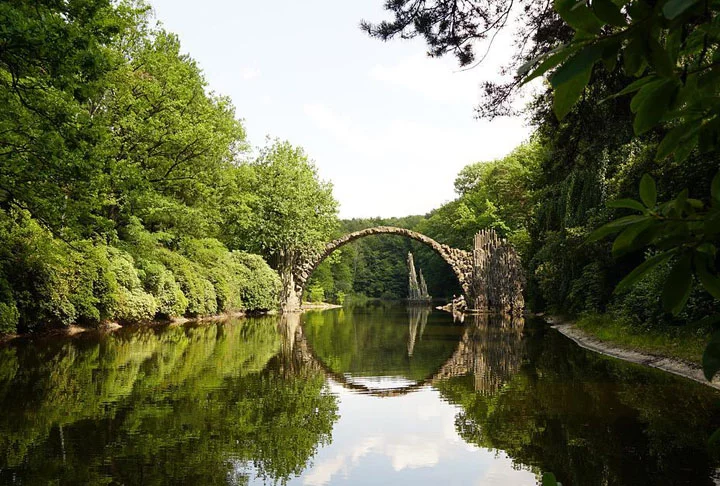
[[670, 48], [117, 169], [54, 67], [291, 210], [664, 54], [172, 147]]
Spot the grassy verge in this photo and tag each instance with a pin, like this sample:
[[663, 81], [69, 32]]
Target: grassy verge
[[676, 342]]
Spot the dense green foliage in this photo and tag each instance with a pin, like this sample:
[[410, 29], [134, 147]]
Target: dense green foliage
[[127, 190]]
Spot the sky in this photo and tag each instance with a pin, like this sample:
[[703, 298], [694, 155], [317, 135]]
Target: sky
[[387, 125]]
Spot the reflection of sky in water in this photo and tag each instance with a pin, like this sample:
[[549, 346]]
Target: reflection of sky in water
[[379, 382], [408, 439]]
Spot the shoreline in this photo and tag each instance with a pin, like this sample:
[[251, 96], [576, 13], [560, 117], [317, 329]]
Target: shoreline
[[664, 363], [306, 306], [112, 326]]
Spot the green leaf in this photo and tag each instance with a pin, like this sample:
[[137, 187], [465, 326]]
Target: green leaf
[[712, 223], [576, 66], [644, 92], [686, 146], [610, 56], [636, 85], [614, 227], [563, 52], [673, 8], [578, 15], [626, 203], [708, 135], [715, 187], [608, 12], [710, 282], [676, 290], [548, 479], [648, 191], [660, 59], [673, 138], [641, 270], [655, 104], [695, 203], [567, 94], [673, 43], [634, 56], [711, 357], [625, 240]]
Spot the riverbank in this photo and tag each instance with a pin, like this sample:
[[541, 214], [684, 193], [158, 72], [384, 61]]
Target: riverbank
[[647, 356], [110, 326]]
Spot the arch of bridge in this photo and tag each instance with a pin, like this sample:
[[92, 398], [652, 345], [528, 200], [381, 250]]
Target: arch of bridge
[[460, 261]]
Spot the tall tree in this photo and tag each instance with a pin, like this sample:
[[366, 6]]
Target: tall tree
[[292, 211], [54, 66]]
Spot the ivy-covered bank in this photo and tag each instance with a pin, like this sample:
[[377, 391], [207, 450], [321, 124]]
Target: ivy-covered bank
[[128, 190]]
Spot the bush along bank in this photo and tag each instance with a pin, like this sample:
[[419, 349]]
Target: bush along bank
[[47, 282]]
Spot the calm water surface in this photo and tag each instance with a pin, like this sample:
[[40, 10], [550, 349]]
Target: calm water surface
[[378, 394]]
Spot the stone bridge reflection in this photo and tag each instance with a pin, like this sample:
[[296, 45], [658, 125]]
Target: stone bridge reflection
[[491, 350]]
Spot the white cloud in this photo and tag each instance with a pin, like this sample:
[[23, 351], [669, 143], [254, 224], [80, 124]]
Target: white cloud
[[248, 73], [502, 471], [434, 79], [412, 454]]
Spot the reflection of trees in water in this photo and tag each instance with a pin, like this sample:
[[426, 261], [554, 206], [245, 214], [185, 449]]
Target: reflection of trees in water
[[167, 404], [374, 342], [588, 419], [490, 350]]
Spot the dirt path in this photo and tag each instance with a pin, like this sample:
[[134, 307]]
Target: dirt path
[[671, 365]]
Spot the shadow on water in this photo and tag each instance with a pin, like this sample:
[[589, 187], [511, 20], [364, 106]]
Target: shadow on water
[[246, 401]]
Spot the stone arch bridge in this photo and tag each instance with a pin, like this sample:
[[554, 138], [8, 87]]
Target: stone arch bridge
[[490, 275]]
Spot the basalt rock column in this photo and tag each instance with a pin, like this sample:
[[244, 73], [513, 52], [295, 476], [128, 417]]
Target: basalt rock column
[[417, 290]]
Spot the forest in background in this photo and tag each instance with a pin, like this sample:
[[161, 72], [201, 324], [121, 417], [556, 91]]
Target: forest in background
[[128, 190]]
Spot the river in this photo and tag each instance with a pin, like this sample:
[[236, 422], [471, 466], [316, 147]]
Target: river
[[375, 394]]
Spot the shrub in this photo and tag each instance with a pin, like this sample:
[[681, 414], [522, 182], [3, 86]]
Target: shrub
[[135, 305], [161, 283], [259, 285], [200, 293], [9, 315], [315, 293]]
